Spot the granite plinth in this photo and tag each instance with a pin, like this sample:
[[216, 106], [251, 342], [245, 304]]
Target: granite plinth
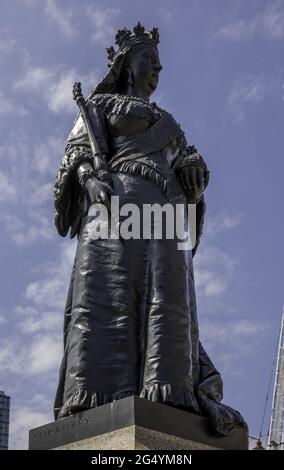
[[134, 423]]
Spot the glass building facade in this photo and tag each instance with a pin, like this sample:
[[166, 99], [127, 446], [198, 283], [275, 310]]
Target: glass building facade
[[4, 420]]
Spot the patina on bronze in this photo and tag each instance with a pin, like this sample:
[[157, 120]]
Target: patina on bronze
[[130, 323]]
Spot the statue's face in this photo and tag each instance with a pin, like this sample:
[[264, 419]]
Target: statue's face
[[145, 68]]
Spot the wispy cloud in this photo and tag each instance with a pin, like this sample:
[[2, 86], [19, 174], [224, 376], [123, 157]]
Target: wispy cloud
[[104, 23], [34, 79], [22, 420], [51, 290], [241, 30], [41, 195], [45, 354], [10, 106], [46, 157], [27, 187], [268, 23], [60, 98], [8, 188], [37, 348], [210, 283], [6, 45], [273, 20], [222, 221], [245, 89], [213, 271], [50, 321], [231, 341], [28, 229], [54, 86], [62, 18]]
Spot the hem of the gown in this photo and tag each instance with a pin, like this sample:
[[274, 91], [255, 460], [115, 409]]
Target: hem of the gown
[[168, 394], [82, 400], [172, 395]]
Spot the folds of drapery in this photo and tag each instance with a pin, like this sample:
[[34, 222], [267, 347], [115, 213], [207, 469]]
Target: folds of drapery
[[132, 156]]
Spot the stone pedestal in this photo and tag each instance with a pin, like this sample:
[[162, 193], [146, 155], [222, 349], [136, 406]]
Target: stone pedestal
[[134, 424]]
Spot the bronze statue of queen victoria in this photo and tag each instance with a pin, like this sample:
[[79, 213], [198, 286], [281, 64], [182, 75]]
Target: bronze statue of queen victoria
[[130, 324]]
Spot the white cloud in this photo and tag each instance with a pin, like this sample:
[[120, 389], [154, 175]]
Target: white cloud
[[211, 258], [55, 86], [214, 272], [8, 189], [35, 78], [273, 20], [51, 291], [246, 89], [13, 355], [60, 93], [47, 155], [209, 283], [33, 357], [10, 106], [27, 186], [103, 21], [242, 30], [219, 332], [62, 18], [6, 46], [222, 221], [22, 420], [38, 348], [23, 231], [25, 311], [45, 354], [269, 23], [231, 341], [47, 292], [47, 321], [41, 195], [38, 162]]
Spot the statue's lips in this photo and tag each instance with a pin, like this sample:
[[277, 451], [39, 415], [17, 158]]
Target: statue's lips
[[153, 82]]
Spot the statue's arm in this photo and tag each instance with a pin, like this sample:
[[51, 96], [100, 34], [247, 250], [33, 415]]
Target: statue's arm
[[77, 173], [192, 171], [78, 140]]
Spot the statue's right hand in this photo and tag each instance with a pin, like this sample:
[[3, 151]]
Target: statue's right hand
[[99, 192]]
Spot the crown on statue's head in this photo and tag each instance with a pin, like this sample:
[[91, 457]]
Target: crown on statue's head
[[125, 38]]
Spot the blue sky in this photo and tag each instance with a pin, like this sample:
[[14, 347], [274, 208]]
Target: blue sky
[[222, 78]]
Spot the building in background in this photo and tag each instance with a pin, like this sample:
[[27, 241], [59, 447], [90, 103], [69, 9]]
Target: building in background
[[4, 420]]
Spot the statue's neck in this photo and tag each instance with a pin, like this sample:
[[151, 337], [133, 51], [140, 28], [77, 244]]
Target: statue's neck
[[133, 91]]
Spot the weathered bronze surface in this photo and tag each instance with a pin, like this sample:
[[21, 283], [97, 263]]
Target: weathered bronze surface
[[130, 319]]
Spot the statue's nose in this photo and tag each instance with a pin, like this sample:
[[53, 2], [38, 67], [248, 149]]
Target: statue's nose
[[158, 67]]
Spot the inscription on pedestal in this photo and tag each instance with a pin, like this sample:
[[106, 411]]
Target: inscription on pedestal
[[137, 413]]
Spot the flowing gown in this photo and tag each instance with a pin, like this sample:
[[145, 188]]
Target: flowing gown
[[130, 319]]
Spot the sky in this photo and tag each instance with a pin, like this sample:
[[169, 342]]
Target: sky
[[223, 80]]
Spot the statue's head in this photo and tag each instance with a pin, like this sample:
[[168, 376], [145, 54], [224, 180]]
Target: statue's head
[[140, 70], [135, 63]]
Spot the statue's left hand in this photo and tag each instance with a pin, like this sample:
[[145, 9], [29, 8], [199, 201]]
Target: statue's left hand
[[193, 180], [99, 192]]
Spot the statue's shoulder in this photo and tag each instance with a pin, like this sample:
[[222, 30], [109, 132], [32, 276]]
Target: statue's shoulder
[[114, 104], [104, 101]]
